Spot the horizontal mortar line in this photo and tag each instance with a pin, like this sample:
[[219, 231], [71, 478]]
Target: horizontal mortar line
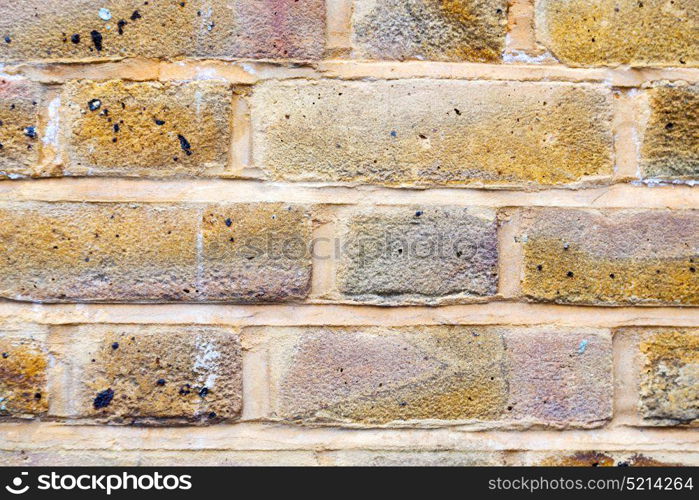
[[493, 313], [251, 71], [239, 190], [38, 436]]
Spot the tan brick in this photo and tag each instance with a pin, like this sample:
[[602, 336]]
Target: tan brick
[[669, 375], [20, 133], [147, 129], [255, 252], [671, 140], [604, 459], [411, 458], [372, 375], [615, 32], [121, 252], [60, 30], [23, 370], [418, 254], [455, 30], [611, 257], [135, 373], [432, 132]]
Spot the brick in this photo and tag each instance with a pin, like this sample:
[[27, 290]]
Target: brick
[[669, 375], [612, 257], [615, 32], [23, 370], [255, 252], [135, 373], [147, 129], [20, 133], [121, 252], [432, 132], [59, 30], [411, 458], [373, 375], [606, 459], [671, 141], [395, 254], [456, 30]]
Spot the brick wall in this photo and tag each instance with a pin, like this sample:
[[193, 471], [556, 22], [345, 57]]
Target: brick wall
[[349, 232]]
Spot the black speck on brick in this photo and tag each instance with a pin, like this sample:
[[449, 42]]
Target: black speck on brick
[[8, 39], [135, 15], [203, 392], [30, 132], [96, 39], [103, 399], [185, 145], [159, 122], [120, 26], [75, 38], [94, 104]]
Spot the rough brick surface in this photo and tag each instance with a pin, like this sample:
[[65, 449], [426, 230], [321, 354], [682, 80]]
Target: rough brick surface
[[671, 140], [20, 133], [147, 129], [255, 252], [136, 372], [418, 253], [380, 375], [61, 30], [455, 30], [614, 32], [112, 252], [430, 132], [669, 375], [613, 257], [23, 370]]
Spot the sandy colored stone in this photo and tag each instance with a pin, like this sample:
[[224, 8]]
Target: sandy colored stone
[[147, 129], [255, 252], [432, 132], [411, 458], [607, 459], [62, 252], [134, 373], [669, 376], [671, 140], [560, 376], [374, 375], [452, 30], [23, 370], [60, 30], [612, 257], [391, 254], [615, 32], [20, 133]]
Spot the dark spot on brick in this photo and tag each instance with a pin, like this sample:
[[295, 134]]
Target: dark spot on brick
[[185, 145], [135, 15], [30, 132], [393, 133], [159, 122], [570, 274], [8, 39], [161, 381], [212, 415], [418, 213], [96, 39], [228, 222], [103, 399], [539, 267], [37, 395], [120, 26], [185, 390], [116, 127], [75, 38], [457, 111], [203, 392], [5, 355], [115, 345], [94, 104], [669, 126]]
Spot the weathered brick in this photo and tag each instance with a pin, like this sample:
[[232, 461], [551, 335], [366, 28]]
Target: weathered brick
[[396, 254], [20, 134], [455, 30], [669, 375], [373, 375], [432, 132], [671, 139], [611, 257], [411, 458], [255, 252], [23, 370], [120, 252], [128, 373], [147, 129], [614, 32], [605, 459], [60, 30]]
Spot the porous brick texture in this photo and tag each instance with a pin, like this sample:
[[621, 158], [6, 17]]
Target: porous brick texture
[[349, 232]]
